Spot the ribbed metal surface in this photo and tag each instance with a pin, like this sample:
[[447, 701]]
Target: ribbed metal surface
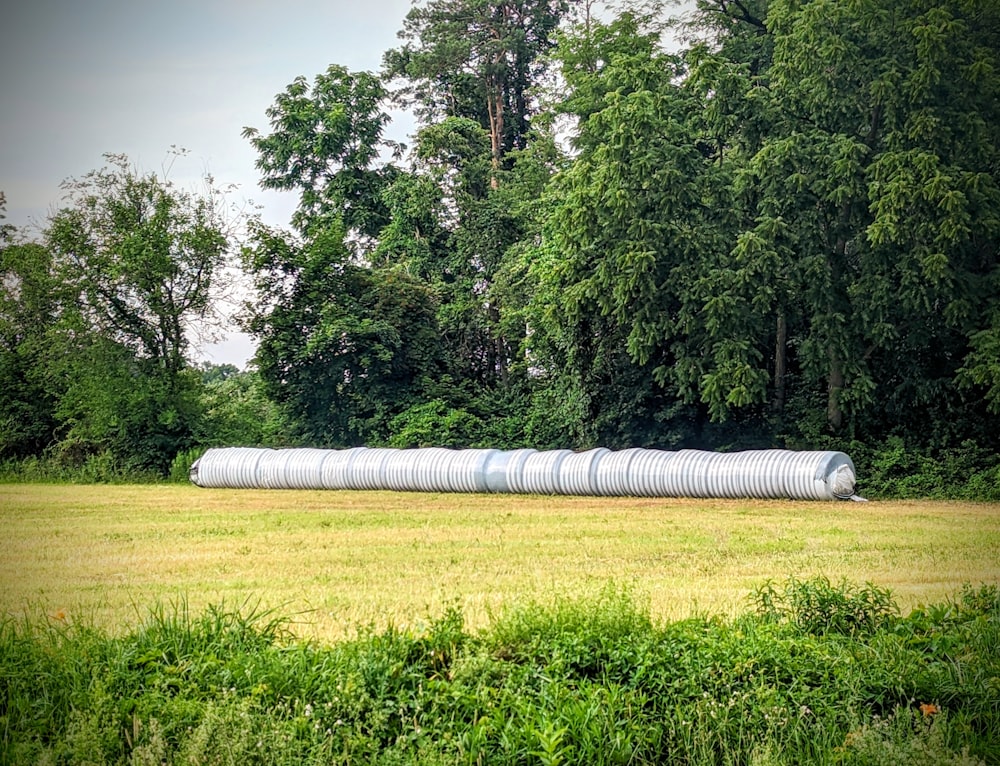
[[336, 467], [578, 472], [271, 469], [612, 473], [637, 472], [229, 467], [513, 471], [430, 469], [367, 469], [303, 467], [467, 470], [644, 477], [539, 474], [397, 470]]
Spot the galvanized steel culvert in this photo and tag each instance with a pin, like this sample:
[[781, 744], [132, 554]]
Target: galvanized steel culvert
[[635, 472]]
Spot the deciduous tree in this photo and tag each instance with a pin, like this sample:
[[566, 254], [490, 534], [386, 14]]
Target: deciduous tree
[[872, 202], [29, 299], [136, 260], [342, 347], [326, 143]]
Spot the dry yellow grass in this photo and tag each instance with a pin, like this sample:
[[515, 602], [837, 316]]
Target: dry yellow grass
[[339, 560]]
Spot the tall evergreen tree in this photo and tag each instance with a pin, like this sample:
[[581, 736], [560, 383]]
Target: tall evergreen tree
[[477, 59]]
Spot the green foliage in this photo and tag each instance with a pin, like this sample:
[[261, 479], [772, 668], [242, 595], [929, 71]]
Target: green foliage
[[899, 469], [343, 348], [125, 406], [816, 606], [858, 198], [784, 235], [7, 231], [325, 143], [786, 226], [623, 245], [476, 59], [434, 424], [904, 738], [94, 325], [572, 636], [982, 365], [774, 237], [69, 463], [415, 236], [238, 413], [588, 681], [29, 294], [140, 257], [180, 467], [53, 468]]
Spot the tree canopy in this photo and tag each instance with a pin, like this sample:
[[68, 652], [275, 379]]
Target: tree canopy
[[98, 318], [783, 232]]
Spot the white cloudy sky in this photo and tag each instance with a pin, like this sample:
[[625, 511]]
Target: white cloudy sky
[[79, 78]]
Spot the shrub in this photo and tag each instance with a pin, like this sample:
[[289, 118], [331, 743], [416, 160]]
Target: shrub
[[180, 467], [434, 424], [96, 468], [818, 607], [904, 738], [815, 674], [896, 469]]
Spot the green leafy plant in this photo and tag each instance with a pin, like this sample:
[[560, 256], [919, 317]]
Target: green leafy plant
[[819, 607], [180, 467]]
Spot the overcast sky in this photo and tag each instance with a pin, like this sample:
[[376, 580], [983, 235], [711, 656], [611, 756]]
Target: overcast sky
[[82, 78]]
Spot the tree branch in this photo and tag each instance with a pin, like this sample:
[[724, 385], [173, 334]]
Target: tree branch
[[742, 13]]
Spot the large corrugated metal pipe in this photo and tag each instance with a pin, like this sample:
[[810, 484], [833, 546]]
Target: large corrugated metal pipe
[[630, 472]]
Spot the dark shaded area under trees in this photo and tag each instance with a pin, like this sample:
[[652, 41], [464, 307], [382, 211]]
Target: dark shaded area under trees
[[784, 235]]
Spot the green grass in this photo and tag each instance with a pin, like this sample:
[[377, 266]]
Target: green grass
[[334, 561], [176, 625], [812, 673]]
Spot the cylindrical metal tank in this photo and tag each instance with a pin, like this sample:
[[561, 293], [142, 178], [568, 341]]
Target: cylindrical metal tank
[[272, 469], [612, 475], [368, 469], [397, 470], [430, 469], [505, 472], [467, 470], [645, 476], [304, 468], [228, 467]]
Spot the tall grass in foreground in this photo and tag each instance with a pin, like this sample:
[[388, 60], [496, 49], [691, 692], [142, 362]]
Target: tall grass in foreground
[[812, 673]]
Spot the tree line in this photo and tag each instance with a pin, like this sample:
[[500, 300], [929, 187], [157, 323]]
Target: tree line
[[783, 234]]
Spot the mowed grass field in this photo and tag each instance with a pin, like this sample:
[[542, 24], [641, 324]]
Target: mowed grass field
[[337, 561]]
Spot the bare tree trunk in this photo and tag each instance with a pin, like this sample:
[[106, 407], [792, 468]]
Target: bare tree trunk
[[494, 108], [835, 378], [780, 363], [835, 384]]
